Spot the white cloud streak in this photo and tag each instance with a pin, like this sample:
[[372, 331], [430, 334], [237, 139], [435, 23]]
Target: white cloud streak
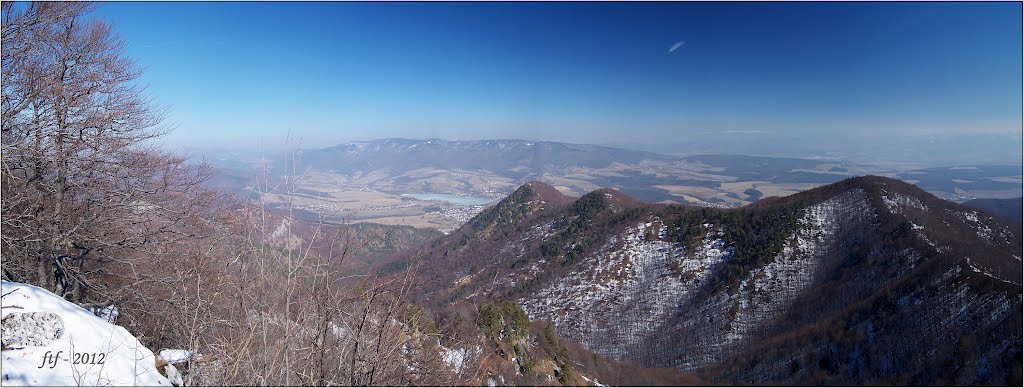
[[676, 46]]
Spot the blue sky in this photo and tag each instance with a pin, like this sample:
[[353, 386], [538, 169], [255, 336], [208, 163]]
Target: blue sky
[[580, 72]]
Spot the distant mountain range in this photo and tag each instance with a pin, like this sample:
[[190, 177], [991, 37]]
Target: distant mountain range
[[869, 280], [515, 158], [934, 150], [639, 173]]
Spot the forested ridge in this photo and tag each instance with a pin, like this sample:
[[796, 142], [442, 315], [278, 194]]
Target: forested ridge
[[698, 288]]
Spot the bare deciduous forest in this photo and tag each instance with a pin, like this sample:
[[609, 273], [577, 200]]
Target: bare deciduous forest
[[95, 211]]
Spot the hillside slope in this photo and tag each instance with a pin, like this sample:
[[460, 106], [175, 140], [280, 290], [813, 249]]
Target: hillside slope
[[1009, 208], [868, 280], [355, 247]]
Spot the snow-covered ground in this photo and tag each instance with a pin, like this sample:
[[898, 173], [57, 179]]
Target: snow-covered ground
[[459, 358], [87, 349]]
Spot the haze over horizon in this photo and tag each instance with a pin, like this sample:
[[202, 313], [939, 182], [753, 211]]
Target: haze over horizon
[[936, 82]]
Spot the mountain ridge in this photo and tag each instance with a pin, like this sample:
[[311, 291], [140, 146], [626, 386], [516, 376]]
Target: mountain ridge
[[498, 155], [712, 283]]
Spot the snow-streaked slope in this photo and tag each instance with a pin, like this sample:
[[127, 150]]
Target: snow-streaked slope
[[727, 321], [628, 277], [645, 285], [125, 360]]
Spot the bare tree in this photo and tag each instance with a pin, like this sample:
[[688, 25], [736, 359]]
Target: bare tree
[[92, 210], [280, 313], [83, 186]]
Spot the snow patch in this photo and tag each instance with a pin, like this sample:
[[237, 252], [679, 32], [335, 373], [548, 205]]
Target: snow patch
[[593, 382], [125, 360], [971, 216], [895, 202], [31, 329], [108, 313], [175, 356], [919, 230], [458, 358]]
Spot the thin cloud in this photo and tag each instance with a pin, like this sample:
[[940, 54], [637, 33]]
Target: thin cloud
[[159, 44], [676, 46]]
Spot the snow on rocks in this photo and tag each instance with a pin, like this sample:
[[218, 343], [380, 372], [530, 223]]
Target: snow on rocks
[[88, 351]]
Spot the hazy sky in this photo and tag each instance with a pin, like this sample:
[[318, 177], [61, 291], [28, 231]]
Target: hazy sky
[[581, 72]]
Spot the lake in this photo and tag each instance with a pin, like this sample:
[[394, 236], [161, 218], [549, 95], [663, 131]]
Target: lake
[[456, 199]]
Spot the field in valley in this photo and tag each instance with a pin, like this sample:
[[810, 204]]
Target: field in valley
[[378, 191]]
